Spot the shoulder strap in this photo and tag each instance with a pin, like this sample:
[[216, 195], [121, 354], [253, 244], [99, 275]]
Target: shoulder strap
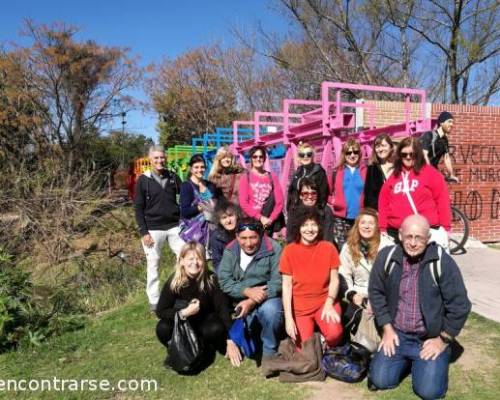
[[406, 190], [436, 266], [388, 264]]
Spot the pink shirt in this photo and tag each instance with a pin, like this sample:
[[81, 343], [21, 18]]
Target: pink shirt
[[254, 190]]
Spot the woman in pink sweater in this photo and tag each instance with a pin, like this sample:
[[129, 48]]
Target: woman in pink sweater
[[260, 193], [415, 188]]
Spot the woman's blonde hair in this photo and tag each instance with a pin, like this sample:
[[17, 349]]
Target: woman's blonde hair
[[347, 145], [204, 279], [304, 145], [354, 238], [216, 169]]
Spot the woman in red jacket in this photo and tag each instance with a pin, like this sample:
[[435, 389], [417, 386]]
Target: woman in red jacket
[[415, 188], [348, 183]]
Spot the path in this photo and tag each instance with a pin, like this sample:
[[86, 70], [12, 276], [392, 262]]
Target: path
[[480, 268]]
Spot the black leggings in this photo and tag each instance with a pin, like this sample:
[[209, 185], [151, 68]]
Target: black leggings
[[210, 330]]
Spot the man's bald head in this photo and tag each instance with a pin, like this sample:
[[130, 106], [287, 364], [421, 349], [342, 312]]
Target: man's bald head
[[414, 234], [417, 220]]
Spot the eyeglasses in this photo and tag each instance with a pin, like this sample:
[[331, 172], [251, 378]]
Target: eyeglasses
[[416, 238], [355, 152], [310, 195], [306, 155], [250, 227], [257, 157], [404, 154]]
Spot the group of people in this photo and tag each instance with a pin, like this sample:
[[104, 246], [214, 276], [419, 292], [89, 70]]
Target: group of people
[[377, 248]]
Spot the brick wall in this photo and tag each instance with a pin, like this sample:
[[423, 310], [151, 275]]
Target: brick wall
[[475, 151]]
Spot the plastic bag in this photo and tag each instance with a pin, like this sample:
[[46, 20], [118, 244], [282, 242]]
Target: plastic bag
[[240, 335], [184, 351], [366, 334]]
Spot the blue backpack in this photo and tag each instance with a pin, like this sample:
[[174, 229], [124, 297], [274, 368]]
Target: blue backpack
[[346, 363]]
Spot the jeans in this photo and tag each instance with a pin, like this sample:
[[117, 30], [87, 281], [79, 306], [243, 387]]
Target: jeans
[[267, 320], [153, 259], [429, 378]]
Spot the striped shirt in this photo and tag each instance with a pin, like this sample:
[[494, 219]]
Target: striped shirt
[[408, 316]]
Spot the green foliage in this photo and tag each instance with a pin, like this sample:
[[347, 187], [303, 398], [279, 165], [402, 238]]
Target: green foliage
[[25, 318], [117, 149]]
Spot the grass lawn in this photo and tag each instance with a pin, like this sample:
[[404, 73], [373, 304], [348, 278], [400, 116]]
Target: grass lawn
[[121, 345]]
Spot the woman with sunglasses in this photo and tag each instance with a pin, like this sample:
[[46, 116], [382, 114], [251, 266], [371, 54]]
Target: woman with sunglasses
[[307, 195], [348, 182], [225, 174], [309, 268], [307, 169], [415, 187], [379, 170], [260, 192]]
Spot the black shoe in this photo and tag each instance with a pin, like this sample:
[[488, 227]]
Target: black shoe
[[371, 386]]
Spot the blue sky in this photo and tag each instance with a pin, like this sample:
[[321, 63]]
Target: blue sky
[[152, 29]]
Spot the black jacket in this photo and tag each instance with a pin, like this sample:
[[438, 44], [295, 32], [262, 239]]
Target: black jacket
[[212, 300], [313, 171], [374, 181], [218, 241], [156, 208], [444, 306]]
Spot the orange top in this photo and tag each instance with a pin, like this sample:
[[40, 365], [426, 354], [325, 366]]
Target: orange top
[[310, 268]]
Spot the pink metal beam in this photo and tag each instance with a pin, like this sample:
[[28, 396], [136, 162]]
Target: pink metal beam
[[325, 86]]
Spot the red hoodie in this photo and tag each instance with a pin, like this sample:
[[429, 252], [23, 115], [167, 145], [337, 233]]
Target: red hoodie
[[430, 195]]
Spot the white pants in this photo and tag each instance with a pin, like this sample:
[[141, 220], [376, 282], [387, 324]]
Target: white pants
[[153, 255], [440, 236]]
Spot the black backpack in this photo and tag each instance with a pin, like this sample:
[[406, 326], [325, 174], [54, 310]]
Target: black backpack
[[346, 363]]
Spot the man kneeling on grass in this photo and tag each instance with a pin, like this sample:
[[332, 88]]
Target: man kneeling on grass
[[249, 274], [418, 296]]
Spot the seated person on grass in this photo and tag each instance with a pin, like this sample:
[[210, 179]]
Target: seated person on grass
[[194, 294]]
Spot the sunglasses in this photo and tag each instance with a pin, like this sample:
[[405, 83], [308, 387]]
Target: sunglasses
[[249, 227], [310, 195], [306, 155], [355, 152], [404, 154], [257, 157]]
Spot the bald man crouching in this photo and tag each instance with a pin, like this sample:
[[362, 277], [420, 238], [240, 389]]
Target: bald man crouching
[[418, 296]]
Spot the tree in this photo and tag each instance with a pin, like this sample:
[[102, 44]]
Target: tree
[[72, 85], [191, 95], [464, 36], [450, 47]]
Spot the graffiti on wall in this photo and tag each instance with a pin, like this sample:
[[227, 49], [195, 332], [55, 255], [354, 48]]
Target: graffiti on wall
[[476, 163], [477, 205]]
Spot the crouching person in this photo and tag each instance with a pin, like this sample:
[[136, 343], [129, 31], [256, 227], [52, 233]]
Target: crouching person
[[193, 293], [249, 274], [418, 296]]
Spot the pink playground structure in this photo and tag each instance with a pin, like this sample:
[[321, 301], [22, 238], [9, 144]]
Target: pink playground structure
[[328, 124]]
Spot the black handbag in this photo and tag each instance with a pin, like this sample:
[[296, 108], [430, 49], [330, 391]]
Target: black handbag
[[184, 351], [268, 208]]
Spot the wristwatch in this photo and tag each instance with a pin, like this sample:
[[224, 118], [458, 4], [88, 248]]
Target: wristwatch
[[446, 339]]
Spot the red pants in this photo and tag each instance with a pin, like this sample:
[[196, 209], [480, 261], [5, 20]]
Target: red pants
[[332, 331]]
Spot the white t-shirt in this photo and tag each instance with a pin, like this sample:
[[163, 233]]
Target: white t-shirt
[[245, 259]]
